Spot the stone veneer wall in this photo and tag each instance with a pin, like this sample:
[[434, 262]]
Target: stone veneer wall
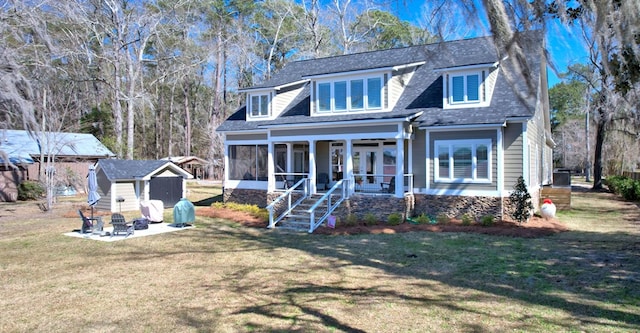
[[243, 196], [380, 206], [456, 206]]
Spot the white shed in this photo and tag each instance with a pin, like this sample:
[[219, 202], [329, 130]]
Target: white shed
[[123, 184]]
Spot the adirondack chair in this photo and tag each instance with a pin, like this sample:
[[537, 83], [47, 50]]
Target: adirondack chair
[[389, 187], [120, 225], [92, 225]]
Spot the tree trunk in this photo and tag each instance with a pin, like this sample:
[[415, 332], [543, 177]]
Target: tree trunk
[[187, 119], [117, 108], [597, 159], [131, 86], [158, 124]]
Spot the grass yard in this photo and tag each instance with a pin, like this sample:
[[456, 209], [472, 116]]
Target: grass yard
[[221, 277]]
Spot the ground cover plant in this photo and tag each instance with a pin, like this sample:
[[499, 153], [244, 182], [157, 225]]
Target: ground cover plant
[[224, 277]]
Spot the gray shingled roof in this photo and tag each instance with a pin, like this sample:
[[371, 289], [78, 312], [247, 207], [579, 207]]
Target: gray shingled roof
[[423, 93], [129, 169]]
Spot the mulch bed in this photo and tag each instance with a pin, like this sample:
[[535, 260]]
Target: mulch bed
[[535, 227]]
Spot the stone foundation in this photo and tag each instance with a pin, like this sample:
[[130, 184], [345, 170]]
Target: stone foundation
[[380, 206], [243, 196], [383, 206], [456, 206]]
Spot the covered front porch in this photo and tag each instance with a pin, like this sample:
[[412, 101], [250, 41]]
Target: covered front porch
[[371, 167]]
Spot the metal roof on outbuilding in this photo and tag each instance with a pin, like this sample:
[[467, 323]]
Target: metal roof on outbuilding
[[20, 146]]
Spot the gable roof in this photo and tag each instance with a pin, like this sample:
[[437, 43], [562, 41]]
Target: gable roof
[[21, 147], [115, 169], [422, 95]]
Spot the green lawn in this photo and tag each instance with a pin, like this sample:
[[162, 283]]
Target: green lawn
[[220, 277]]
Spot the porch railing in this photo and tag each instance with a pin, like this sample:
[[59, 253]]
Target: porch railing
[[285, 180], [327, 204], [301, 187], [381, 183]]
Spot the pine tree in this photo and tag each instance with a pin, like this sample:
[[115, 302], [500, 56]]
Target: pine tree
[[521, 199]]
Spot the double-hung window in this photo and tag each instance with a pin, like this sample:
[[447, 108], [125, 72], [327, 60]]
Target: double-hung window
[[349, 95], [259, 105], [463, 161], [465, 88]]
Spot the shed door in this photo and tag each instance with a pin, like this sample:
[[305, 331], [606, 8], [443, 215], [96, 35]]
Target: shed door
[[166, 189]]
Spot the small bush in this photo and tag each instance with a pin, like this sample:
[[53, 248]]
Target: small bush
[[423, 219], [521, 200], [394, 219], [30, 190], [351, 220], [487, 220], [442, 218], [370, 219], [467, 219]]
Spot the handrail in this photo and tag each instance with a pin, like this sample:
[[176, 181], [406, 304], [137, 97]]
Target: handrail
[[304, 182], [343, 185]]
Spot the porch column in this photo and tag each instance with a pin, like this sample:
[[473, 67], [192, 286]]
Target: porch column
[[348, 166], [399, 168], [289, 157], [225, 176], [271, 168], [312, 166]]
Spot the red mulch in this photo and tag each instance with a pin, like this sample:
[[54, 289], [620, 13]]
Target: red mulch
[[535, 227]]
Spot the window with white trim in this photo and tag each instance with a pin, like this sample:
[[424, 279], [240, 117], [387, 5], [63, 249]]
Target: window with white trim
[[259, 105], [462, 161], [464, 88], [349, 95]]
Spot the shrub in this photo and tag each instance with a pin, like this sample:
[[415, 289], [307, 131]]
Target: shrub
[[394, 219], [487, 220], [442, 218], [351, 220], [30, 190], [467, 219], [423, 219], [521, 200], [615, 183], [370, 219], [624, 186]]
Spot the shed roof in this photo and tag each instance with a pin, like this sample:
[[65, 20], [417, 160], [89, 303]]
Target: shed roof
[[116, 169]]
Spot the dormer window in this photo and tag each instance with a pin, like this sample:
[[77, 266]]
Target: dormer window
[[466, 88], [349, 95], [259, 105]]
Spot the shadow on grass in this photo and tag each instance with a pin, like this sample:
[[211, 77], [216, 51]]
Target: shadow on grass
[[593, 278], [208, 201]]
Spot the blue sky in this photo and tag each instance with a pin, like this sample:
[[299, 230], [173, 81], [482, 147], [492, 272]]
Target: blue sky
[[565, 46]]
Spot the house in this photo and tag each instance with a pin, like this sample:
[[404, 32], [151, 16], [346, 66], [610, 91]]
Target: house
[[124, 184], [71, 154], [444, 128], [198, 167]]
